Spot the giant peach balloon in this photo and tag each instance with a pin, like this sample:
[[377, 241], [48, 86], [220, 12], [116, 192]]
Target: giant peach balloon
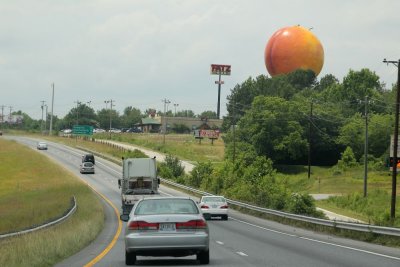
[[293, 48]]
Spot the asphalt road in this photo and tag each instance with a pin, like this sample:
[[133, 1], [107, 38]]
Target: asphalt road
[[241, 241]]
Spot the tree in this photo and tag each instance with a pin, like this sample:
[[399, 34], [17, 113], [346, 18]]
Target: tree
[[81, 115], [273, 127], [130, 117]]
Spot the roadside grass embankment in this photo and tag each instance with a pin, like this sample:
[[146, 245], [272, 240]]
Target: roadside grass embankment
[[35, 190]]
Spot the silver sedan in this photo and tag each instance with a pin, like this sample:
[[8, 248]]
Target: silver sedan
[[214, 206], [166, 226]]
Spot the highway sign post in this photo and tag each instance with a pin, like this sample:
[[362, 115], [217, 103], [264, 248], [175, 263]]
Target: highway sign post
[[219, 70]]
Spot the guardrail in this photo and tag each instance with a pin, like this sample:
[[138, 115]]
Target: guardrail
[[336, 224], [59, 220]]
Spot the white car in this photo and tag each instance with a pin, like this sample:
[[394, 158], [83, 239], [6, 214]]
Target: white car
[[214, 206], [42, 146]]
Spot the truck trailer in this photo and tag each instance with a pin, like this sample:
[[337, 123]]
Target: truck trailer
[[139, 179]]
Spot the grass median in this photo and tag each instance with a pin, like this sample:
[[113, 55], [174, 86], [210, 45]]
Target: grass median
[[33, 190]]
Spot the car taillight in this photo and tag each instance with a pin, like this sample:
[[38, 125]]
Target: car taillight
[[142, 225], [193, 224], [204, 207], [224, 207]]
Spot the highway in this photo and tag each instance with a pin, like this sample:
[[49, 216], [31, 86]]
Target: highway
[[243, 240]]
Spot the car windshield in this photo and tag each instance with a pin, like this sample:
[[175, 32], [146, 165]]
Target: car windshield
[[166, 206], [213, 199]]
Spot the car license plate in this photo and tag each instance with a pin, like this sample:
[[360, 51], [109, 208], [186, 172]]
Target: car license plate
[[167, 227]]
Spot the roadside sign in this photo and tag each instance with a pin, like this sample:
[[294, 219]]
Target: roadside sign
[[391, 147], [220, 69], [82, 130]]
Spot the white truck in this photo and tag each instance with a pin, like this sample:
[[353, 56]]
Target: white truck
[[139, 179]]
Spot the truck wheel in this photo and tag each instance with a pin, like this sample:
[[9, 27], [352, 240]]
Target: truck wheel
[[130, 258]]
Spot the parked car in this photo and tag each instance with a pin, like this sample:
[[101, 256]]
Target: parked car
[[214, 206], [166, 226], [88, 158], [41, 146], [134, 130], [87, 167]]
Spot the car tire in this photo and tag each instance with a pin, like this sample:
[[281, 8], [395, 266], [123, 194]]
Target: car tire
[[203, 257], [130, 258]]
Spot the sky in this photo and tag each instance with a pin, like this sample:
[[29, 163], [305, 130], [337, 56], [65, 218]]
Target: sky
[[141, 52]]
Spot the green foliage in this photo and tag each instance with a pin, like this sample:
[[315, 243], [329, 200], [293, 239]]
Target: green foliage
[[303, 204], [347, 160], [171, 167], [201, 174], [375, 206]]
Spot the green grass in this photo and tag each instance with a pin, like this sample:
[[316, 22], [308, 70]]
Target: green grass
[[33, 190], [184, 146]]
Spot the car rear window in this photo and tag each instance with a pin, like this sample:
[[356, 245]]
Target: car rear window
[[166, 206], [213, 199], [88, 164]]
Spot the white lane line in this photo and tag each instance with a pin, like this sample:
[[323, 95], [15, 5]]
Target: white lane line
[[220, 242], [166, 193], [242, 254], [318, 241]]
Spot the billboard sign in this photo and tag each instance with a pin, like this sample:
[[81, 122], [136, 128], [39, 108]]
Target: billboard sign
[[211, 134], [217, 69]]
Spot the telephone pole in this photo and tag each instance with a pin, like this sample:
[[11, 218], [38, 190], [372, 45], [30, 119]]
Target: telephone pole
[[41, 123], [309, 139], [165, 101], [52, 105], [395, 139], [366, 147]]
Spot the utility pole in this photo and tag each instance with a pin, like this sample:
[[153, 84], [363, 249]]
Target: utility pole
[[77, 114], [309, 139], [45, 123], [52, 105], [41, 123], [366, 147], [395, 139], [165, 101], [2, 114], [234, 131], [9, 116], [111, 106], [175, 105]]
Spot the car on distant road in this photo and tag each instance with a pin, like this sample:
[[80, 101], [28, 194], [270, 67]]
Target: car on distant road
[[166, 226], [41, 146], [87, 167], [88, 158], [214, 206], [67, 131]]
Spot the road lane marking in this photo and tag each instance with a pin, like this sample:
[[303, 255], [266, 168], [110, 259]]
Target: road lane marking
[[115, 238], [220, 242], [242, 254], [318, 241]]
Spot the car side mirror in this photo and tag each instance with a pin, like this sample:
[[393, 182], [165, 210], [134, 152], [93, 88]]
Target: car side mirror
[[124, 217]]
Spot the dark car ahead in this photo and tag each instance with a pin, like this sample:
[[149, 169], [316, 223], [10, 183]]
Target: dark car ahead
[[166, 226], [88, 158]]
